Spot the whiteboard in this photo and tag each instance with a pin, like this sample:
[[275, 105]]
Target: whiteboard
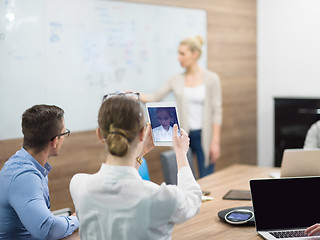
[[71, 52]]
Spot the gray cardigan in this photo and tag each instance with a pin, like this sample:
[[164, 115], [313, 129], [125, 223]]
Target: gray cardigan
[[313, 136], [212, 104]]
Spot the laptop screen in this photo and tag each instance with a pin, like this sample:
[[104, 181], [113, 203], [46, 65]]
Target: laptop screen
[[285, 202], [300, 162]]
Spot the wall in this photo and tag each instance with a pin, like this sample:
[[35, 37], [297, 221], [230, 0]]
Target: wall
[[231, 41], [288, 61]]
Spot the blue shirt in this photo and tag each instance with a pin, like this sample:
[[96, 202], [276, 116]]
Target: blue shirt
[[25, 203]]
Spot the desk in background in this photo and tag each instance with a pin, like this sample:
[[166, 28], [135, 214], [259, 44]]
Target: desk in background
[[206, 225]]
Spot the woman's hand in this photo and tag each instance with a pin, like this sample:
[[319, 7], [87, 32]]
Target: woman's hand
[[180, 146], [214, 152], [215, 143], [313, 230], [144, 97], [148, 142], [180, 143]]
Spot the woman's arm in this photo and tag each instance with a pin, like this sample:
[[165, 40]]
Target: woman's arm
[[181, 146], [188, 197], [158, 95], [215, 143], [216, 105]]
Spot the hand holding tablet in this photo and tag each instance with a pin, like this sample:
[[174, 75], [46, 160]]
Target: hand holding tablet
[[162, 116]]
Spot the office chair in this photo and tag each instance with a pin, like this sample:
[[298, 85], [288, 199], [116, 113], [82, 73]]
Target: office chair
[[169, 166], [143, 170]]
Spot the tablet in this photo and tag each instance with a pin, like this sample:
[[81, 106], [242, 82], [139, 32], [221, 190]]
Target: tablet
[[162, 116], [237, 195]]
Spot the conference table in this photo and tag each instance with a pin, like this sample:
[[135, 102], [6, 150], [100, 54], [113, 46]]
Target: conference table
[[206, 224]]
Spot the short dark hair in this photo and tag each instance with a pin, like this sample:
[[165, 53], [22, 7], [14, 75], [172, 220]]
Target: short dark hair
[[40, 124]]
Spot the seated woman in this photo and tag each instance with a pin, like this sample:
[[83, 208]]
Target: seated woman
[[115, 203], [164, 131]]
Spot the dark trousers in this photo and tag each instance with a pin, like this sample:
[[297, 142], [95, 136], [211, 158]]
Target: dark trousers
[[195, 145]]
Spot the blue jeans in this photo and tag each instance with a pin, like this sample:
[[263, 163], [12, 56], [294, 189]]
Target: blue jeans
[[195, 145]]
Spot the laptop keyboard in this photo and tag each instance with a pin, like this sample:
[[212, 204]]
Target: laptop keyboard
[[289, 234]]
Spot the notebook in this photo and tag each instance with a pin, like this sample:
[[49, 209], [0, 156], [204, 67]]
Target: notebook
[[283, 205], [299, 162]]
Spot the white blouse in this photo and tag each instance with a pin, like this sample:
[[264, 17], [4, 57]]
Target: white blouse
[[195, 103], [160, 134], [115, 203]]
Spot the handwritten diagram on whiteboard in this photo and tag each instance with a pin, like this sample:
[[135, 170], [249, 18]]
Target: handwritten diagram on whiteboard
[[80, 50]]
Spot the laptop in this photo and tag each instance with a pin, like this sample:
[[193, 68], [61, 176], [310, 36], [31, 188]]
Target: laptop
[[285, 205], [299, 163]]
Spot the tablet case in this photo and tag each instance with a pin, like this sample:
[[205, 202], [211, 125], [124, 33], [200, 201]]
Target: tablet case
[[238, 195]]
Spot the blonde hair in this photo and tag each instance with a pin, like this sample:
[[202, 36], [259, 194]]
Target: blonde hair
[[194, 43], [120, 121]]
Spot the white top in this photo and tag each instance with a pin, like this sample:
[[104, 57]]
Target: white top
[[115, 203], [160, 134], [195, 97]]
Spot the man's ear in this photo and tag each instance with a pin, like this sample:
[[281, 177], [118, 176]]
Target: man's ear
[[99, 135], [54, 142]]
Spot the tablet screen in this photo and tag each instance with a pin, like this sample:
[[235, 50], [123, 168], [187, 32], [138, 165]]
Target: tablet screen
[[162, 117]]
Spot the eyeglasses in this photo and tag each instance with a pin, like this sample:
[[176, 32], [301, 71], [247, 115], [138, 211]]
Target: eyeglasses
[[133, 95], [66, 133]]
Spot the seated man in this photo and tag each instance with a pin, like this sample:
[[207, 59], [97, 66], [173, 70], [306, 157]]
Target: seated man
[[24, 194], [313, 136]]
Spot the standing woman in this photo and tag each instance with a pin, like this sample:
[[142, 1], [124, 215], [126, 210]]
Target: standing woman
[[115, 203], [198, 95]]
